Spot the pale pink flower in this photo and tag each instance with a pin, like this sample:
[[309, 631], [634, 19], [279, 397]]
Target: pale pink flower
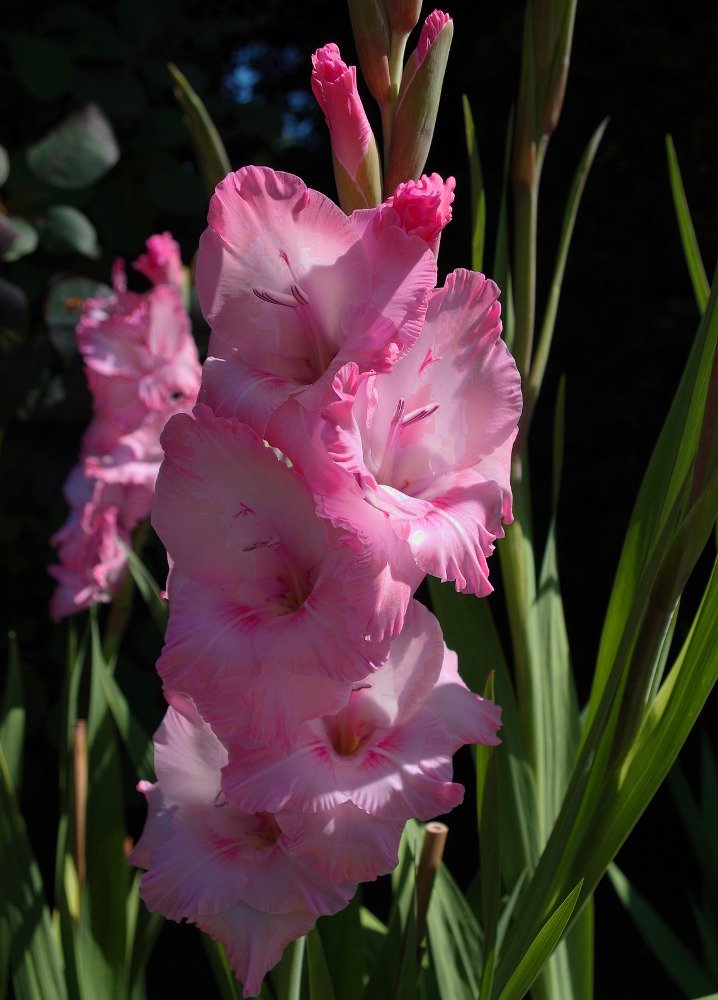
[[428, 446], [90, 543], [139, 354], [229, 871], [142, 366], [344, 843], [292, 292], [162, 263], [256, 575], [388, 752], [130, 458]]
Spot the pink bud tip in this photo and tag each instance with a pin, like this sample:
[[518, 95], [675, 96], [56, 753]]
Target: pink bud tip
[[162, 263], [433, 25], [335, 88], [328, 66], [424, 206]]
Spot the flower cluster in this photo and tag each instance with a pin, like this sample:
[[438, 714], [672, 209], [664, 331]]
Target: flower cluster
[[353, 432], [142, 366]]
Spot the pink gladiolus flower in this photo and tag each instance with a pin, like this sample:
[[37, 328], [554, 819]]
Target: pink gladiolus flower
[[140, 355], [428, 446], [388, 752], [142, 366], [258, 577], [230, 872], [292, 293], [92, 560], [335, 87], [162, 263], [424, 207]]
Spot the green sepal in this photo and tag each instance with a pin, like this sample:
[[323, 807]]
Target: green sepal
[[416, 110]]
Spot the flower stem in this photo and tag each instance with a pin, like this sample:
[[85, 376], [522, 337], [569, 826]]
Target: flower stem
[[121, 606], [296, 950]]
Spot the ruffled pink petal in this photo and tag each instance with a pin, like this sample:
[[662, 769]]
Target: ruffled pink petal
[[162, 264], [272, 707], [240, 500], [345, 843], [254, 941], [409, 674], [452, 541], [226, 629], [467, 717], [403, 272], [424, 206], [188, 755], [399, 776], [156, 829], [209, 633], [283, 262], [267, 778], [235, 389]]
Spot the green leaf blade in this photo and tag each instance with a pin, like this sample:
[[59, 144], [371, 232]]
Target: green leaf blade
[[520, 979]]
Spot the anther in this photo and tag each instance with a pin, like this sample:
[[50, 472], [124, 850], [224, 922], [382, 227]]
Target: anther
[[416, 415], [264, 543], [399, 411], [429, 359], [276, 298], [299, 294]]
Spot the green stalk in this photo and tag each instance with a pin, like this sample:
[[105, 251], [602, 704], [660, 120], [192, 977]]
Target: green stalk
[[296, 949], [388, 110], [524, 274], [121, 606]]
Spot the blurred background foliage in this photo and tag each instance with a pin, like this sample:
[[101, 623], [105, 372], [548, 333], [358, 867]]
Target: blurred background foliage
[[99, 72]]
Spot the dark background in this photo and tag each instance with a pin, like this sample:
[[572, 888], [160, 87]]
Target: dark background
[[624, 327]]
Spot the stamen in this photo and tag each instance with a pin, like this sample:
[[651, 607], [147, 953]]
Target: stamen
[[299, 294], [416, 415], [429, 359], [320, 358], [276, 298], [264, 543], [399, 411]]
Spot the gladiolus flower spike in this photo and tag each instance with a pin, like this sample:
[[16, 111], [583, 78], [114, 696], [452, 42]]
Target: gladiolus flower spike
[[353, 432]]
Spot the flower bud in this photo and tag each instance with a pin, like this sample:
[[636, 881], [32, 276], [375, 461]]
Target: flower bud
[[162, 263], [372, 39], [418, 101], [424, 207], [548, 30], [403, 15], [356, 159]]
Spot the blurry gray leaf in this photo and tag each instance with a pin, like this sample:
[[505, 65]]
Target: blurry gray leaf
[[25, 239], [77, 152], [64, 229]]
